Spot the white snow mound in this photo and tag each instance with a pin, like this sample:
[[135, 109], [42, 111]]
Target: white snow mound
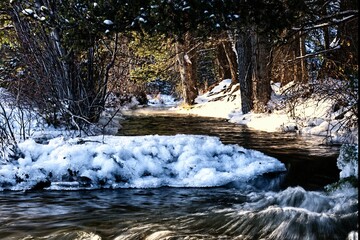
[[133, 162]]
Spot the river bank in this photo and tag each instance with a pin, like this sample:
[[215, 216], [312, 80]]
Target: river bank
[[129, 186], [312, 116]]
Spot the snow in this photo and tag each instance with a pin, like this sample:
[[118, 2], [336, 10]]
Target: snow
[[348, 161], [28, 11], [108, 22], [133, 162], [207, 106], [142, 20], [25, 122], [161, 100], [314, 116], [95, 162]]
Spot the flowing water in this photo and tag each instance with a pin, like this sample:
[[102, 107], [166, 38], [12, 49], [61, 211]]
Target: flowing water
[[310, 162], [280, 207]]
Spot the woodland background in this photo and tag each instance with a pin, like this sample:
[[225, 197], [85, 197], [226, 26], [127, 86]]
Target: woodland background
[[65, 57]]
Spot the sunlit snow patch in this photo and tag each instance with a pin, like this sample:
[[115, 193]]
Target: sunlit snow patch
[[133, 162], [162, 100]]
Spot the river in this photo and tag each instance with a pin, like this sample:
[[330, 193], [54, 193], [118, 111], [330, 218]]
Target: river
[[291, 206], [310, 162]]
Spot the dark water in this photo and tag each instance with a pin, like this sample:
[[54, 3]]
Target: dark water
[[310, 162], [196, 213], [176, 213]]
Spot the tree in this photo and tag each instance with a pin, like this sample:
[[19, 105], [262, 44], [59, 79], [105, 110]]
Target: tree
[[10, 66], [260, 71], [227, 46], [186, 60], [71, 47], [181, 19], [264, 23], [68, 57], [243, 47], [288, 62], [328, 64], [152, 57]]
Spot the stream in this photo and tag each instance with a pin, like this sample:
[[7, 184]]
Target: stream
[[285, 206], [310, 162]]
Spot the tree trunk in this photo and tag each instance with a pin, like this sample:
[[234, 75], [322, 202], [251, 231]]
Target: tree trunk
[[231, 57], [348, 33], [260, 72], [222, 63], [187, 71], [243, 47], [288, 62], [342, 63], [303, 74]]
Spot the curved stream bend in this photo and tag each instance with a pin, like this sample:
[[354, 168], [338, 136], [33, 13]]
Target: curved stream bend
[[196, 213], [310, 163]]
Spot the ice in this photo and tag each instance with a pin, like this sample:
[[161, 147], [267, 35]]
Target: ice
[[133, 162]]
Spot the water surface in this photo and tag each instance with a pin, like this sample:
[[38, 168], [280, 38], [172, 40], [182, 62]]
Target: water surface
[[310, 162], [175, 213], [278, 207]]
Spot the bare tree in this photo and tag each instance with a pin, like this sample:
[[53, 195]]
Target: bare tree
[[67, 71], [17, 121], [186, 59]]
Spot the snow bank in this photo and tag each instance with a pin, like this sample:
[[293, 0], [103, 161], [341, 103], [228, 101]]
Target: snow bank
[[22, 120], [25, 121], [133, 162], [348, 161], [308, 116], [314, 115], [161, 100], [215, 103]]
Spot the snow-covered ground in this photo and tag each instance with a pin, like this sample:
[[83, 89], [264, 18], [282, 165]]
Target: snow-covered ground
[[215, 103], [20, 123], [162, 100], [308, 116]]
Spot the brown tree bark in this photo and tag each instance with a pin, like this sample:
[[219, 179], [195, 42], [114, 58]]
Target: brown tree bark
[[261, 90], [243, 47], [66, 77], [348, 33], [222, 63], [231, 59], [343, 61], [186, 64], [288, 63]]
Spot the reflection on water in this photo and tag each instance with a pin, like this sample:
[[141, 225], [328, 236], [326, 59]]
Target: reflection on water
[[176, 213], [311, 164]]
